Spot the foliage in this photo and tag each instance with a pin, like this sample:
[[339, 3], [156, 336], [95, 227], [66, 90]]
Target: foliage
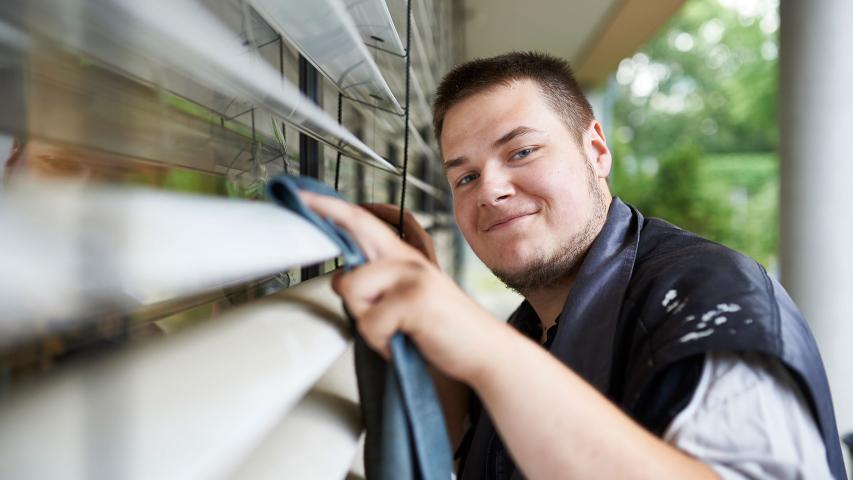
[[695, 130]]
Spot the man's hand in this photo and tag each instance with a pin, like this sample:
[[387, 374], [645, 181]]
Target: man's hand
[[413, 233], [401, 290]]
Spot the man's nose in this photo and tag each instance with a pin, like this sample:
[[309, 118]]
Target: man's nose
[[495, 186]]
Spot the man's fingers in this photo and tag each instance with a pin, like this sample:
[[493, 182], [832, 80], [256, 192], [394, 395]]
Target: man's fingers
[[371, 234], [379, 323], [414, 234], [384, 319], [386, 212], [368, 284], [377, 295]]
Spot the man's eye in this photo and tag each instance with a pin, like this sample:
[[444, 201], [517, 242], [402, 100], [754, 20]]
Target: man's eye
[[524, 152], [466, 179]]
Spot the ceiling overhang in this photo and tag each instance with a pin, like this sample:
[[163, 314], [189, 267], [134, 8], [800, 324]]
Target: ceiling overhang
[[593, 36]]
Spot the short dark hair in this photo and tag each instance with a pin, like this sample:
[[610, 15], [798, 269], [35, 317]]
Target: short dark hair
[[554, 76]]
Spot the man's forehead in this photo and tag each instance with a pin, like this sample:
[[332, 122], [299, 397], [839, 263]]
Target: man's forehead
[[481, 120], [495, 98]]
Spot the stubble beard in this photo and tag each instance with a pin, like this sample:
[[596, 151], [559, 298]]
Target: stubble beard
[[549, 268]]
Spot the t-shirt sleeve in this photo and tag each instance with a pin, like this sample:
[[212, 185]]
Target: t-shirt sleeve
[[748, 419]]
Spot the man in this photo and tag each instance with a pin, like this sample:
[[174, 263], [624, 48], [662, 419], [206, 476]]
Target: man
[[666, 355]]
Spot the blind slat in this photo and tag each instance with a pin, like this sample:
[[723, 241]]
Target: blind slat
[[374, 23], [189, 406], [68, 250], [324, 33], [184, 36]]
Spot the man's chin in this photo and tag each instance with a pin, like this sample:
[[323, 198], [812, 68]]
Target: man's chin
[[540, 272], [519, 267], [513, 257], [527, 280]]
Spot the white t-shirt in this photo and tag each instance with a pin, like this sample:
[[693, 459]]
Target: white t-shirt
[[748, 419]]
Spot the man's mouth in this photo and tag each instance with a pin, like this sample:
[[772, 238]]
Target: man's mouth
[[508, 220]]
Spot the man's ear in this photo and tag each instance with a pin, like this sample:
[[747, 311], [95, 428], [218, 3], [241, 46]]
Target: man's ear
[[602, 161]]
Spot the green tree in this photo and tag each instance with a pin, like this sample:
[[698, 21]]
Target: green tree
[[695, 124]]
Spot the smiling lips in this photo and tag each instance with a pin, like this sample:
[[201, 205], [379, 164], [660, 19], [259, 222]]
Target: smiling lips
[[507, 220]]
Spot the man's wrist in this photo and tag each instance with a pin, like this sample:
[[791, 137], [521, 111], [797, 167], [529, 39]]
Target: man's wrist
[[501, 338]]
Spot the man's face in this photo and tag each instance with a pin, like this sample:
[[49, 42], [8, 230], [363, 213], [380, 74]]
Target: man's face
[[528, 199]]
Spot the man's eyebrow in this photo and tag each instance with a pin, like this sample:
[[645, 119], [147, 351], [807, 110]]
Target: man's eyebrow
[[515, 132], [454, 163]]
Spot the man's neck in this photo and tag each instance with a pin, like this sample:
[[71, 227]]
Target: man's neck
[[548, 302]]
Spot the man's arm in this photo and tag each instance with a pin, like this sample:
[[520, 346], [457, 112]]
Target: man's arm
[[554, 423]]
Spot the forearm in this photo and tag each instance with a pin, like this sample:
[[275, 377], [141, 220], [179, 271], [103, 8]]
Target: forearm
[[557, 426]]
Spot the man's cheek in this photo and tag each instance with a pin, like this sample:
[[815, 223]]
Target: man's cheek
[[467, 224]]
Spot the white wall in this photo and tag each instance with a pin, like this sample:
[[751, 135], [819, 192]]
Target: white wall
[[816, 121]]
